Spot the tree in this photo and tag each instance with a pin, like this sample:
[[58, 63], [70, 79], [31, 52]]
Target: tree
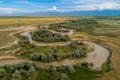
[[9, 68], [16, 75], [42, 57], [51, 68], [73, 44], [50, 57], [78, 65], [71, 69], [31, 72], [77, 54], [81, 43], [64, 77], [85, 64], [2, 72], [34, 56]]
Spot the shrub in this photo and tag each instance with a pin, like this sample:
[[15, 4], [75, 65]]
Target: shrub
[[31, 72], [85, 64], [79, 53], [48, 36], [16, 75], [64, 77], [2, 72], [51, 68], [81, 43], [78, 65], [73, 44], [71, 69]]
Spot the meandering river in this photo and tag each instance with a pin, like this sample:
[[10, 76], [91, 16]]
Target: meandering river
[[97, 57]]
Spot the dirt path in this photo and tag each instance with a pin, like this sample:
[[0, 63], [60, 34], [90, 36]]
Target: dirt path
[[21, 29]]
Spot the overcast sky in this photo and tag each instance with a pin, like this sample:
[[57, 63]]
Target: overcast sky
[[18, 6]]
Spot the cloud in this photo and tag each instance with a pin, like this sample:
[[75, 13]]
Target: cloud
[[7, 10], [102, 6], [22, 2], [54, 8], [29, 6], [84, 5]]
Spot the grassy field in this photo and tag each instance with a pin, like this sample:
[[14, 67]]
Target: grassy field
[[107, 32], [7, 22], [5, 38], [81, 74], [17, 21], [112, 41]]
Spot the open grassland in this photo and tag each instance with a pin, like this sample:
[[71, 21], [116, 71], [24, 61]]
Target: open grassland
[[5, 38], [112, 41], [7, 22], [107, 33], [17, 21]]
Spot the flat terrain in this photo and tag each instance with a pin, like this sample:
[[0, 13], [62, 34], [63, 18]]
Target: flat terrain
[[17, 21], [9, 25], [110, 35], [106, 33]]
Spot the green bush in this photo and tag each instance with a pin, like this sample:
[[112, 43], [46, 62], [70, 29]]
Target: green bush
[[16, 75], [73, 44], [64, 77], [50, 68], [79, 53], [31, 72], [2, 72], [48, 36], [71, 69]]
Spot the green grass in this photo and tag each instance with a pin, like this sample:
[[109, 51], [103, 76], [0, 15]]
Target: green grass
[[80, 74], [106, 66], [27, 50], [5, 38], [84, 74], [44, 75]]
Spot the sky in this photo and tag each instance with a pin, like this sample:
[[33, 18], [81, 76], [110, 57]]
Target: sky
[[29, 6]]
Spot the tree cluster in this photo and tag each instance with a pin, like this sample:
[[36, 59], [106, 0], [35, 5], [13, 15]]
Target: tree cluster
[[74, 43], [79, 53], [17, 70], [54, 55], [78, 25], [68, 69], [48, 36], [51, 55]]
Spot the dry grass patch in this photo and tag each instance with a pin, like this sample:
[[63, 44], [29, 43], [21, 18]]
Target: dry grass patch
[[28, 20]]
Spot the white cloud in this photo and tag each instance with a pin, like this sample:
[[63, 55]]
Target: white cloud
[[22, 2], [102, 6], [83, 5], [54, 8], [7, 10]]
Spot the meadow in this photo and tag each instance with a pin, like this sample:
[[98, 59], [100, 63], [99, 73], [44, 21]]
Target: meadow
[[104, 31], [109, 34], [11, 22], [18, 21]]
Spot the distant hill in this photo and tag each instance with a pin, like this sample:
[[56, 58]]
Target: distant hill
[[82, 13]]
